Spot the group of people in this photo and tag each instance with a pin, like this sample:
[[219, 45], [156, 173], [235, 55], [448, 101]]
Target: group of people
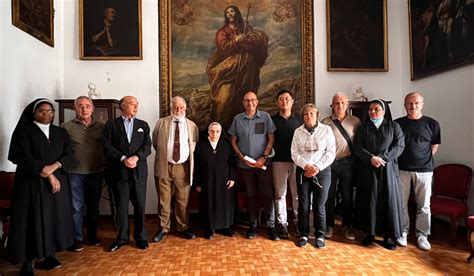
[[60, 171]]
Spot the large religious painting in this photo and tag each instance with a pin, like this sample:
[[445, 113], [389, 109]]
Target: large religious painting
[[356, 33], [212, 52], [35, 17], [441, 35], [110, 29]]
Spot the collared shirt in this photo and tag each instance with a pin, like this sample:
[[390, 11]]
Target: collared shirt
[[350, 124], [252, 133], [318, 148], [183, 141], [285, 127], [128, 124], [87, 144]]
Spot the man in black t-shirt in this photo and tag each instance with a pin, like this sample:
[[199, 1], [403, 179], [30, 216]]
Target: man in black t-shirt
[[422, 137]]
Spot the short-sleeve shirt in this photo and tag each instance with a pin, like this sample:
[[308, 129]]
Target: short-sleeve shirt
[[420, 135], [285, 128], [252, 133]]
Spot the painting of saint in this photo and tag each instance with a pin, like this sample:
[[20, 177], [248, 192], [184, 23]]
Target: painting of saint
[[219, 50]]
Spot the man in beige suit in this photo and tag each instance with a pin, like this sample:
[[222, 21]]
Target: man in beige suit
[[174, 139]]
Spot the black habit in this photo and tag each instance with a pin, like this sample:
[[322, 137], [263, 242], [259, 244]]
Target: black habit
[[41, 222], [378, 204], [213, 168]]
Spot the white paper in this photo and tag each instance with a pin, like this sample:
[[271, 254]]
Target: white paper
[[251, 160]]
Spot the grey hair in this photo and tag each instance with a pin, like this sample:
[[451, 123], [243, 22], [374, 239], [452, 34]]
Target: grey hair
[[82, 97], [175, 99], [413, 94], [339, 94], [306, 107]]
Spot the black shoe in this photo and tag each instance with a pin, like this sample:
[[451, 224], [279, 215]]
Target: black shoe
[[93, 241], [76, 247], [159, 236], [283, 231], [389, 244], [302, 241], [209, 234], [368, 240], [320, 243], [226, 232], [116, 245], [51, 263], [27, 269], [187, 234], [251, 233], [142, 244], [272, 234]]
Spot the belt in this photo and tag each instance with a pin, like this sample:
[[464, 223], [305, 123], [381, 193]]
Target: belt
[[345, 158]]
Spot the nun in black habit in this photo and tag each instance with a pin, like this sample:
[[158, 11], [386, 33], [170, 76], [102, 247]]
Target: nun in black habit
[[378, 206], [41, 213], [214, 175]]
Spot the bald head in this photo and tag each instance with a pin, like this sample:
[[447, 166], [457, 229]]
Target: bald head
[[129, 106]]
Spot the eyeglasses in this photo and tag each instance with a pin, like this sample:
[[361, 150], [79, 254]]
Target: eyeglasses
[[311, 145], [250, 100], [415, 103]]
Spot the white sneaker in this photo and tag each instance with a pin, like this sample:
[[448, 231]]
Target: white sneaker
[[329, 232], [423, 243], [402, 241], [348, 233]]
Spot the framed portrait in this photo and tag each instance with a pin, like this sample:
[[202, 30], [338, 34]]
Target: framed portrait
[[35, 17], [441, 36], [110, 29], [356, 33], [213, 52]]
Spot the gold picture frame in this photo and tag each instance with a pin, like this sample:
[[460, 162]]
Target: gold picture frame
[[357, 36], [35, 17], [110, 30], [187, 40]]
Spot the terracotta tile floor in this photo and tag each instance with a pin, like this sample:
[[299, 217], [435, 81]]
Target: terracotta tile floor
[[229, 256]]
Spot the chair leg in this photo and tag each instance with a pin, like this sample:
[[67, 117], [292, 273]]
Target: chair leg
[[469, 239], [454, 229]]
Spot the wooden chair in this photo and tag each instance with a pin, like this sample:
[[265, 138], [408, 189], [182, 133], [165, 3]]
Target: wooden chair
[[470, 227], [450, 193], [6, 191]]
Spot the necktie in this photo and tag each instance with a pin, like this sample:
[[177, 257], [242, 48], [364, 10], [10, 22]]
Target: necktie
[[176, 143]]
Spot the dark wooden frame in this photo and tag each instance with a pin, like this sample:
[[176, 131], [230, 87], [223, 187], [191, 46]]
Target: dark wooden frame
[[429, 52], [352, 46], [38, 23], [128, 23], [166, 61]]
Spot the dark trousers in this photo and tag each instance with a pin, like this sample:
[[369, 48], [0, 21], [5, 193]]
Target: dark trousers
[[131, 189], [306, 188], [261, 180], [341, 184]]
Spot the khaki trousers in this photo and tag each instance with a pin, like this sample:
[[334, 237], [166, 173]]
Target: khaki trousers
[[178, 185]]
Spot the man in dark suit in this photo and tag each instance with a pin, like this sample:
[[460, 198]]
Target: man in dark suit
[[127, 144]]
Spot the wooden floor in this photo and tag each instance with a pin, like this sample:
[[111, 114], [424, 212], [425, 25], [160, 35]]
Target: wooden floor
[[229, 256]]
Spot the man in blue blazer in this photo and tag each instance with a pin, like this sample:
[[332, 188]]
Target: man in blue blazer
[[127, 143]]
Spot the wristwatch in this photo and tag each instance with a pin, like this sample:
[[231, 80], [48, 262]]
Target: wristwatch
[[265, 156]]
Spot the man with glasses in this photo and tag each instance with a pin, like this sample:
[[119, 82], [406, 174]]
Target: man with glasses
[[252, 140], [422, 138], [313, 149]]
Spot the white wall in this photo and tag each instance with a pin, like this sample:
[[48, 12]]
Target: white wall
[[30, 69]]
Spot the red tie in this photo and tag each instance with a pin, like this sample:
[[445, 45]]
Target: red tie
[[176, 146]]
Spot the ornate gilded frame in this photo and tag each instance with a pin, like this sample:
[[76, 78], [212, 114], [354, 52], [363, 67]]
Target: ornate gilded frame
[[35, 17], [166, 65], [351, 45]]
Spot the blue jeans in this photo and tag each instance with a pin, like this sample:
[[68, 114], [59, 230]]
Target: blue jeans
[[86, 190]]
